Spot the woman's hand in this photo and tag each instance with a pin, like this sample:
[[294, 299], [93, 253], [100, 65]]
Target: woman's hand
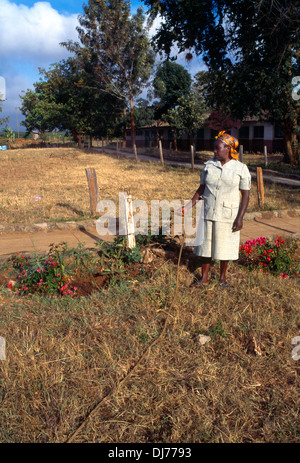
[[237, 224], [181, 211]]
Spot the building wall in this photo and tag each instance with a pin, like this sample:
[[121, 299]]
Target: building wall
[[259, 134]]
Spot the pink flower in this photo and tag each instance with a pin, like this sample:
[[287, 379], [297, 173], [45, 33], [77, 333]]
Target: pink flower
[[39, 270], [283, 275]]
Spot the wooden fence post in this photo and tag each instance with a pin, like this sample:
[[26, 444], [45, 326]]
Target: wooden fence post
[[135, 152], [241, 150], [260, 186], [93, 188], [129, 222], [192, 157], [161, 153], [266, 155]]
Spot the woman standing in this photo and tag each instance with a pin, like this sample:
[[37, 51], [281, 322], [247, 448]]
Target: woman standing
[[224, 187]]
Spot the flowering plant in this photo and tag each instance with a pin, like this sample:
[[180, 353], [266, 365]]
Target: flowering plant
[[42, 275], [277, 257]]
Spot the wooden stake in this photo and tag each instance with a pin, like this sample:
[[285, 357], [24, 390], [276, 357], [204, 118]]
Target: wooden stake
[[260, 186], [241, 150], [93, 188], [266, 155], [135, 152], [192, 157], [161, 153]]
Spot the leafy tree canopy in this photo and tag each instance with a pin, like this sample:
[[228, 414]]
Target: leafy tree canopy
[[172, 81], [64, 99], [115, 50], [251, 48]]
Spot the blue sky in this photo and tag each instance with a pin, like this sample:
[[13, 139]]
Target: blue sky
[[30, 34], [68, 7]]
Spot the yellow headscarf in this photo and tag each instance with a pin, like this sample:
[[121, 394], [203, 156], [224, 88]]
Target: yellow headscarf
[[232, 142]]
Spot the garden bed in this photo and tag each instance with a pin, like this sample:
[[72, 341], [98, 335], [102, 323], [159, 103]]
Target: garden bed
[[81, 272]]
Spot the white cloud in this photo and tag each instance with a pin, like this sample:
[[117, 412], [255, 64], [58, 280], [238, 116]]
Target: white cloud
[[30, 38], [34, 33]]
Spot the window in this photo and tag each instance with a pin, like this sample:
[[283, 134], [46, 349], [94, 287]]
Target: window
[[244, 132], [258, 131], [277, 132]]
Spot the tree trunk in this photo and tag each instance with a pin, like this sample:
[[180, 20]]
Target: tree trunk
[[175, 140], [132, 121], [124, 129], [291, 148]]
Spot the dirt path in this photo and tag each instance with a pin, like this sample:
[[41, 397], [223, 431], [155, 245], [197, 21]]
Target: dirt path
[[39, 241]]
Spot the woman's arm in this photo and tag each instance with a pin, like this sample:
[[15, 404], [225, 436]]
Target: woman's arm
[[193, 201], [238, 223]]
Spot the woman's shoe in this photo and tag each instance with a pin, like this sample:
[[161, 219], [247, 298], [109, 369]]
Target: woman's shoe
[[199, 284], [223, 285]]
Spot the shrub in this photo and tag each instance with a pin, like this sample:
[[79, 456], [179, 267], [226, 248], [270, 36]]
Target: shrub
[[277, 257], [48, 275]]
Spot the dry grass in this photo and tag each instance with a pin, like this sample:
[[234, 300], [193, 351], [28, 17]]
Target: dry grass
[[65, 355], [58, 175]]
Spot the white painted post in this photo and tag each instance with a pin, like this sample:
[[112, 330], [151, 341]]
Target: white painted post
[[129, 222]]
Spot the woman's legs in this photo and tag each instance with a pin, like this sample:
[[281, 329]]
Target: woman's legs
[[205, 269], [223, 269]]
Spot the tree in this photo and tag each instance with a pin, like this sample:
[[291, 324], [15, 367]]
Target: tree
[[172, 81], [63, 99], [188, 116], [144, 113], [251, 49], [115, 50], [3, 120], [9, 135]]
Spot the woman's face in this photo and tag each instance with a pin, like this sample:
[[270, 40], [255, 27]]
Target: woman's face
[[221, 151]]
